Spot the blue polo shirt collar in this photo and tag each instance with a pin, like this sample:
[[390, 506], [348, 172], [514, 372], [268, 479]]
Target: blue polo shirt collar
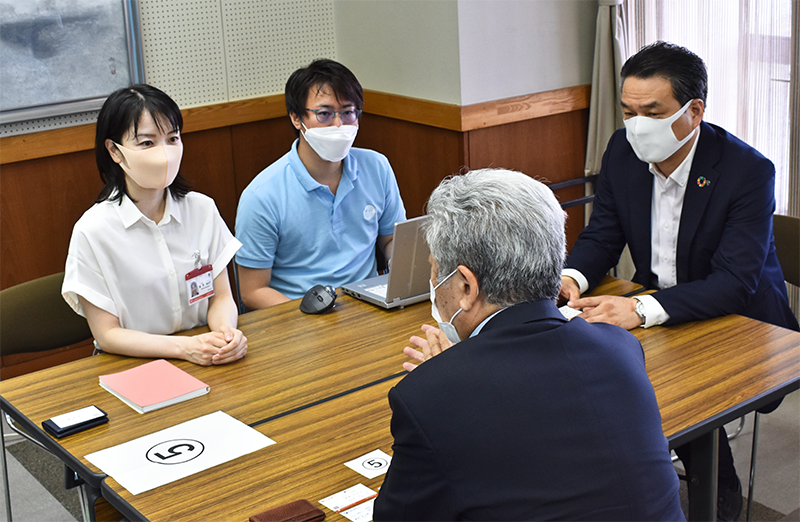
[[349, 173]]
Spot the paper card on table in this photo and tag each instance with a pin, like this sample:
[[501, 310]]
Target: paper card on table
[[568, 312], [371, 465], [177, 452], [360, 513], [346, 499]]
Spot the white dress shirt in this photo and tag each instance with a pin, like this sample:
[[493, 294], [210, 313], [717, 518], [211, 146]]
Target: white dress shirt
[[133, 268], [666, 206]]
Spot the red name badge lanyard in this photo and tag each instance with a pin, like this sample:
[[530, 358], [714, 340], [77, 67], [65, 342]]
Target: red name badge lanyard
[[200, 281]]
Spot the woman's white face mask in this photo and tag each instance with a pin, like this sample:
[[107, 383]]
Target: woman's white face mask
[[653, 139], [152, 168]]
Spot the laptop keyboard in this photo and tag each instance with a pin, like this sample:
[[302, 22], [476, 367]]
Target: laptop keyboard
[[377, 290]]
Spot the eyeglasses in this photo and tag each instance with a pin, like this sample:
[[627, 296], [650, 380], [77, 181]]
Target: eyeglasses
[[325, 116]]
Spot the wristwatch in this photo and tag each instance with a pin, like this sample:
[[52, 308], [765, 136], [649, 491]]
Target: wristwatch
[[640, 311]]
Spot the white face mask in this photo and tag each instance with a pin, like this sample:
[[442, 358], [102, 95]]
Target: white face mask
[[446, 327], [331, 143], [153, 168], [652, 139]]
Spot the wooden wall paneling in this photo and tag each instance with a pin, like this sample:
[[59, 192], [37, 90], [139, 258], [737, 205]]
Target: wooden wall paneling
[[41, 200], [550, 149], [421, 156], [55, 142], [424, 112], [526, 107], [208, 166], [256, 146]]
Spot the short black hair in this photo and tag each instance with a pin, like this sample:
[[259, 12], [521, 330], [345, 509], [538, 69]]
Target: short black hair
[[685, 70], [121, 112], [319, 74]]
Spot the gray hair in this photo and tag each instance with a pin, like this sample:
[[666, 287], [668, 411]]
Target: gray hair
[[504, 226]]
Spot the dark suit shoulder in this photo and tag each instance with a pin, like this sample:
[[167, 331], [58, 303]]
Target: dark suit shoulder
[[732, 154]]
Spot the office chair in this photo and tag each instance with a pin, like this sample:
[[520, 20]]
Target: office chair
[[787, 245], [786, 230], [239, 302], [585, 200], [24, 309]]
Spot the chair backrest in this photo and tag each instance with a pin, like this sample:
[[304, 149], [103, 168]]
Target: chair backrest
[[787, 246], [590, 180], [34, 318], [239, 303]]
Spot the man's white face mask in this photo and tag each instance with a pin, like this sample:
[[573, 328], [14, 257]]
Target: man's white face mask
[[446, 327], [331, 143], [652, 139]]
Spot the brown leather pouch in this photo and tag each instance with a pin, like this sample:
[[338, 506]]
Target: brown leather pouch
[[298, 511]]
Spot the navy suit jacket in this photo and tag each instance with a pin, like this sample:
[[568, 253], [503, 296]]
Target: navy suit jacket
[[726, 262], [535, 418]]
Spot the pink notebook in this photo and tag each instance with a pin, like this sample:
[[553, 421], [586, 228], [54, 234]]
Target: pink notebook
[[153, 385]]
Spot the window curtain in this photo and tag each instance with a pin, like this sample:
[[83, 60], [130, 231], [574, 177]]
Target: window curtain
[[793, 203], [605, 112], [749, 47], [746, 45], [610, 52]]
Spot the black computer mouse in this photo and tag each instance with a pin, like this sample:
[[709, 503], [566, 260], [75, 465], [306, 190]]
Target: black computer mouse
[[318, 299]]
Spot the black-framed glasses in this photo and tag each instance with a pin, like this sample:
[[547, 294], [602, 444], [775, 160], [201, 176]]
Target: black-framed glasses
[[325, 116]]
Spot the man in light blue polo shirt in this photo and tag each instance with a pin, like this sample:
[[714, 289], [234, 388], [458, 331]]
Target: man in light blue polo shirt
[[315, 215]]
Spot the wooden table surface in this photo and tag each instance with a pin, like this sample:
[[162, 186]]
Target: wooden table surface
[[293, 360], [307, 461], [704, 374], [708, 373]]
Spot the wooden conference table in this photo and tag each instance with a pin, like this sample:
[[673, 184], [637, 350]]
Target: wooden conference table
[[317, 385]]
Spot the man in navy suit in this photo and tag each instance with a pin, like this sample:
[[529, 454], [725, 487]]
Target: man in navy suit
[[694, 204], [531, 416]]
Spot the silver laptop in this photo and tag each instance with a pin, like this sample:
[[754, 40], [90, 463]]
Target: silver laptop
[[408, 280]]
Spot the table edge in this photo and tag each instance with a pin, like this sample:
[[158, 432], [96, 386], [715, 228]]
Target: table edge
[[739, 410]]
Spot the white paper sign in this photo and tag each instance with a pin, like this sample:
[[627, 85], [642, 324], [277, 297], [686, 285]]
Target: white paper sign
[[177, 452], [371, 465], [343, 500], [360, 513]]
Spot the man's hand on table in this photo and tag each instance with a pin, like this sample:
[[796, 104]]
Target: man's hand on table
[[435, 343], [570, 291], [611, 309]]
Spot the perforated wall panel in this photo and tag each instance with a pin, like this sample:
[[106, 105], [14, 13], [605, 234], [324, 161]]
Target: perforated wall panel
[[26, 127], [266, 41], [203, 52], [184, 52]]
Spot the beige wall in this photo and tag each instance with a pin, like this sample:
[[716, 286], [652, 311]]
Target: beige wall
[[511, 48], [406, 47], [466, 51]]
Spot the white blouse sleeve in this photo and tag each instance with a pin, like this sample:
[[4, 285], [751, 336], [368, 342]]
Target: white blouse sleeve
[[223, 244], [82, 276]]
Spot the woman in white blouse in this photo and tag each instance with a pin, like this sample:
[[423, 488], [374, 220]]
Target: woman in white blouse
[[150, 257]]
